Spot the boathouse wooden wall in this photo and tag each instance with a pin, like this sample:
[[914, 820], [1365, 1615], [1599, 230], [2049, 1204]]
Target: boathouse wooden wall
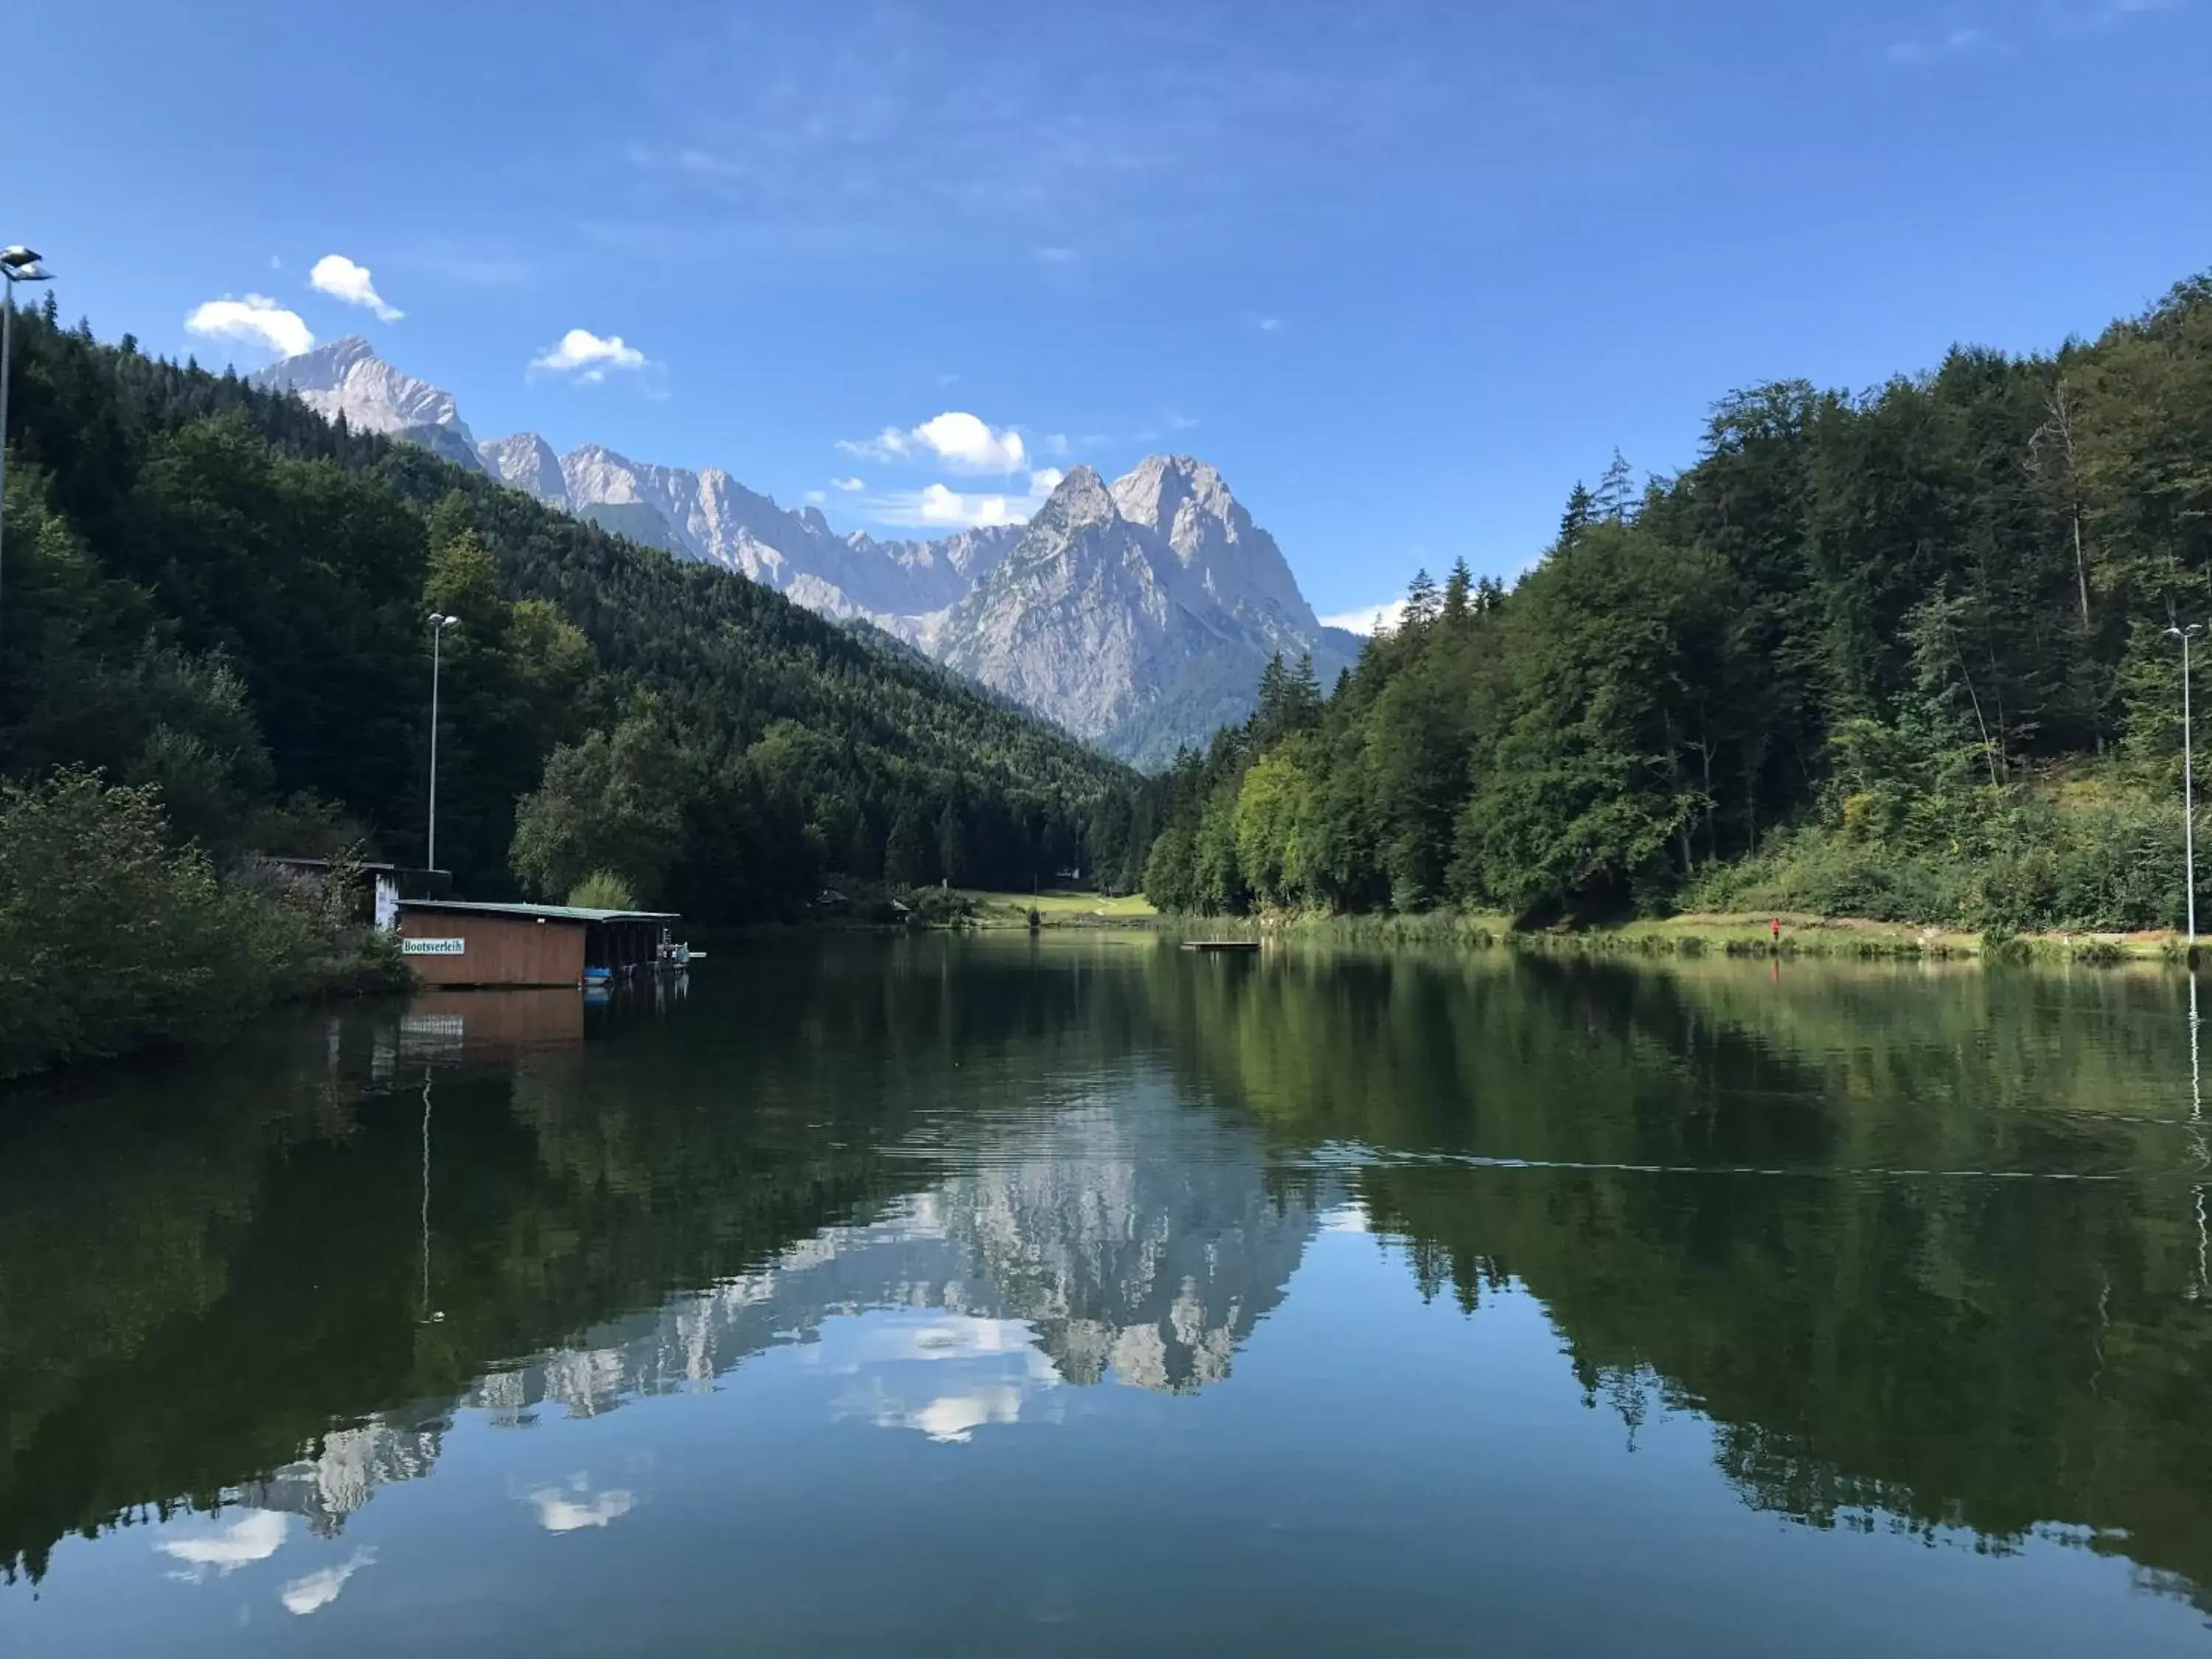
[[497, 950]]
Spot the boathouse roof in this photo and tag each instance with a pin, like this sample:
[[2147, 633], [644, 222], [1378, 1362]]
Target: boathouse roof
[[537, 912]]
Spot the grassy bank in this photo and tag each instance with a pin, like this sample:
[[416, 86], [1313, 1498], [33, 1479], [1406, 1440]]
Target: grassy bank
[[1735, 934], [1060, 909]]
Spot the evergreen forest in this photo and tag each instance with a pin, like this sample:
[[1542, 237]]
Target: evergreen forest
[[210, 589], [1908, 654], [214, 643]]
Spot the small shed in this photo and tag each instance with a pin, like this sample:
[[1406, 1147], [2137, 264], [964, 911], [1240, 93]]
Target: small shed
[[385, 884], [463, 942]]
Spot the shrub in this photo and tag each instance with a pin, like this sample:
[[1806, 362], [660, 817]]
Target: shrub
[[111, 939], [603, 890]]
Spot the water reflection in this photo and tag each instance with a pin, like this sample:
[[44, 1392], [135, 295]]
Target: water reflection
[[1919, 1253]]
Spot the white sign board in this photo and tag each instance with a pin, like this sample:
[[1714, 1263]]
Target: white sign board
[[433, 947]]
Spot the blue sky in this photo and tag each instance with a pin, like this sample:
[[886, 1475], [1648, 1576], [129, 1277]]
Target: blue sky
[[1402, 271]]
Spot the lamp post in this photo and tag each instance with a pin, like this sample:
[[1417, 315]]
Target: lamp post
[[438, 626], [17, 265], [2188, 778]]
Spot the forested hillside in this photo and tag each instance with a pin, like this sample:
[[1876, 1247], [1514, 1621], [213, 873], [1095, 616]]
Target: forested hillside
[[1901, 654], [211, 590]]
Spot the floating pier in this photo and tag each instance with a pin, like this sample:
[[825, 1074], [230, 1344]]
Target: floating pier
[[1221, 944]]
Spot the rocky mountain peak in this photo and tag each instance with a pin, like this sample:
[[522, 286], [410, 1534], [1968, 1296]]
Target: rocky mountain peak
[[1137, 613], [526, 462], [1154, 492], [346, 378], [1081, 498]]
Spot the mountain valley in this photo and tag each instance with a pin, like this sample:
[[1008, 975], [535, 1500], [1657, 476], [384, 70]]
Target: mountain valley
[[1137, 615]]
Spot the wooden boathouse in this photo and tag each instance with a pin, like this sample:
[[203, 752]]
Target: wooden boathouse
[[456, 942]]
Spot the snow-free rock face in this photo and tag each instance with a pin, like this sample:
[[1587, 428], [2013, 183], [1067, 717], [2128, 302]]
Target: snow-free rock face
[[526, 462], [346, 378], [1138, 615], [1233, 562]]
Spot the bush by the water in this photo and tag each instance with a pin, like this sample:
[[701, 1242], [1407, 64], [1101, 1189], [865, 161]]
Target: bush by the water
[[2019, 865], [112, 939]]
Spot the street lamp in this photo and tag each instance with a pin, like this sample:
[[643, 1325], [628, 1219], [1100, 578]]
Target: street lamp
[[2188, 778], [438, 626], [17, 265]]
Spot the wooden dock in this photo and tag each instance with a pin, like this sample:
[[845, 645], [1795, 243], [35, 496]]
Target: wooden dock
[[1221, 944]]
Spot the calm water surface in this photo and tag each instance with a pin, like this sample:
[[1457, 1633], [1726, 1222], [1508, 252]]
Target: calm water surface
[[1084, 1297]]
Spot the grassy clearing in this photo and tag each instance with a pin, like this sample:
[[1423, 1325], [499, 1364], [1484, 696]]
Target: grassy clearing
[[1061, 909]]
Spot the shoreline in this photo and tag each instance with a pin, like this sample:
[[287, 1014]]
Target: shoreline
[[1739, 935]]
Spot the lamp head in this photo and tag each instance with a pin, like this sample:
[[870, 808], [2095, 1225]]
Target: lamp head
[[20, 264]]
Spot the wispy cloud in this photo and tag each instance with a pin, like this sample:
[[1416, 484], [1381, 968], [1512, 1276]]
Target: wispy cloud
[[2054, 20], [849, 486], [964, 442], [1921, 50], [589, 355], [940, 507], [1117, 133], [258, 319], [469, 264], [2111, 14], [342, 279], [1265, 325]]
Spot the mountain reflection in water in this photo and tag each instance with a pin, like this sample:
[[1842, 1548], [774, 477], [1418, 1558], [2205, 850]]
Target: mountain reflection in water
[[1906, 1253]]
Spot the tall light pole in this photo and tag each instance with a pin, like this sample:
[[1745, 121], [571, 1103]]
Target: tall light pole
[[438, 626], [2188, 778], [17, 265]]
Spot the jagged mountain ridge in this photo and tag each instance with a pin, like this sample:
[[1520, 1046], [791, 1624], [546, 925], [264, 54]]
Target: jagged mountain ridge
[[1138, 616]]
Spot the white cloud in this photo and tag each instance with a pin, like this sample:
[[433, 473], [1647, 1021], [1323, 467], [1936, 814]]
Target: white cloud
[[255, 1536], [940, 507], [1180, 422], [1057, 256], [850, 486], [581, 350], [339, 277], [1368, 618], [258, 319], [558, 1511], [964, 442], [1266, 324], [318, 1590], [1055, 443], [815, 497]]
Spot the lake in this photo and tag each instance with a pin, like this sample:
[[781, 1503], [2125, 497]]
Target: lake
[[1080, 1295]]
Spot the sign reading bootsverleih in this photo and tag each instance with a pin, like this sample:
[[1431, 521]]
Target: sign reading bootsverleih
[[433, 947]]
